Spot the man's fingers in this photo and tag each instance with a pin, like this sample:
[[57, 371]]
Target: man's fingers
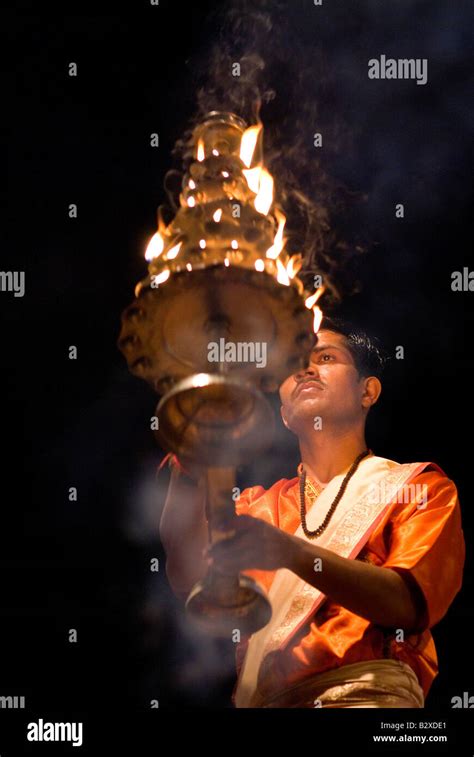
[[238, 522], [244, 521], [232, 563], [223, 545]]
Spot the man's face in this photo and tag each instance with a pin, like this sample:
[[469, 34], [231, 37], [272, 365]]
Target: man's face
[[329, 389]]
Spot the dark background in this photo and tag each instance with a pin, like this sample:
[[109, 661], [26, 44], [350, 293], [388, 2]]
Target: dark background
[[85, 423]]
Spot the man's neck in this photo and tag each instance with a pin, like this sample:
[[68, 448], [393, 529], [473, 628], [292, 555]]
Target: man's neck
[[329, 455]]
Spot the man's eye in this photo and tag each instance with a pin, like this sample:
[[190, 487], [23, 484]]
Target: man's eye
[[326, 355]]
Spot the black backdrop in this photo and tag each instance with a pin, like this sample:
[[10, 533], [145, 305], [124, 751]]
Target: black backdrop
[[85, 423]]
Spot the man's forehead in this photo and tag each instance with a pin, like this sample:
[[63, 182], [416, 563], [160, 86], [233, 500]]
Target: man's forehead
[[327, 338]]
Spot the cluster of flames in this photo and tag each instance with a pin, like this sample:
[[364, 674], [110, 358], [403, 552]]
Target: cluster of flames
[[260, 183]]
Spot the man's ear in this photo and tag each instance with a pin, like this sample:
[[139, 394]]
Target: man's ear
[[283, 417], [372, 391]]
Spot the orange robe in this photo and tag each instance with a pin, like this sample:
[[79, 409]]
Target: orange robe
[[425, 544]]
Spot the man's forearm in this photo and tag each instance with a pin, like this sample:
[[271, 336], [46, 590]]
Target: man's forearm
[[184, 532], [375, 593]]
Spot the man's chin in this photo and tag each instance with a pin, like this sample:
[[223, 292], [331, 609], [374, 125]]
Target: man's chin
[[305, 412], [307, 401]]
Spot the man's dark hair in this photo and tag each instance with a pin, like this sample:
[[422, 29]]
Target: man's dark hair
[[369, 356]]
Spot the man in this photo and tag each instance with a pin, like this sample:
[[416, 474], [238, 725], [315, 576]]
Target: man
[[361, 555]]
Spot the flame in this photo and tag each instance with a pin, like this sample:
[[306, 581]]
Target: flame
[[160, 278], [172, 253], [202, 244], [252, 176], [261, 183], [310, 303], [293, 266], [192, 184], [200, 155], [191, 202], [217, 215], [312, 299], [282, 275], [278, 242], [264, 198], [318, 317], [248, 143], [259, 265], [155, 247], [234, 244]]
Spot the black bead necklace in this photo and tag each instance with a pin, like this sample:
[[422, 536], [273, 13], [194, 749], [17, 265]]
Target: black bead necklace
[[318, 531]]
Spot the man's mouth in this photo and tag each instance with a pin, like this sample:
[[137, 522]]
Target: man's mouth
[[309, 383]]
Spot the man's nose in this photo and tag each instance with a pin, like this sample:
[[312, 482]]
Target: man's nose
[[311, 370]]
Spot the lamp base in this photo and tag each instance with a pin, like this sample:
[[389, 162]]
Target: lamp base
[[245, 609]]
